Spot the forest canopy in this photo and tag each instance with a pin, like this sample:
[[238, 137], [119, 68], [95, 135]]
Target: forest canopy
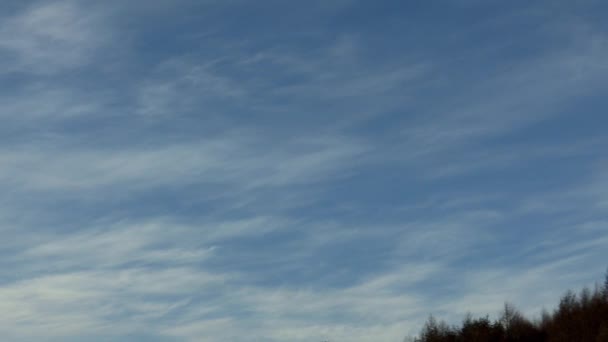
[[581, 317]]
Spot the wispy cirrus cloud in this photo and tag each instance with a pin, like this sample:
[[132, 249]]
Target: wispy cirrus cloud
[[50, 37], [178, 177], [231, 160]]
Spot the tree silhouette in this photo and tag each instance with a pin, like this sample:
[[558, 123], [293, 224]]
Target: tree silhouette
[[605, 289], [577, 318]]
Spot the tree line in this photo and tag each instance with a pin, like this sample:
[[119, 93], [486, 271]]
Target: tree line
[[581, 317]]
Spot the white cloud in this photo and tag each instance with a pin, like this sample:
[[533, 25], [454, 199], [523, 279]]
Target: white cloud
[[500, 104], [83, 282], [231, 161], [49, 37], [164, 275], [82, 302]]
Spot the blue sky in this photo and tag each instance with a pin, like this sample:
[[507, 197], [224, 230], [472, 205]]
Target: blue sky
[[296, 171]]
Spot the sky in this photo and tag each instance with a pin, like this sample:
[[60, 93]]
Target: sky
[[296, 170]]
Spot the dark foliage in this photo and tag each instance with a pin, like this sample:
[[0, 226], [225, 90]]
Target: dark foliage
[[578, 318]]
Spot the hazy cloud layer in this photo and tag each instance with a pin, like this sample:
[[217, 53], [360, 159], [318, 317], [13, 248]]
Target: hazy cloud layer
[[246, 171]]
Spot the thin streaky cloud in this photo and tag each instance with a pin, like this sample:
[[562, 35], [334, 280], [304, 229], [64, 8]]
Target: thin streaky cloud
[[202, 171]]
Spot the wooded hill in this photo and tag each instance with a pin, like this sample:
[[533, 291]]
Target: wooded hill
[[581, 317]]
